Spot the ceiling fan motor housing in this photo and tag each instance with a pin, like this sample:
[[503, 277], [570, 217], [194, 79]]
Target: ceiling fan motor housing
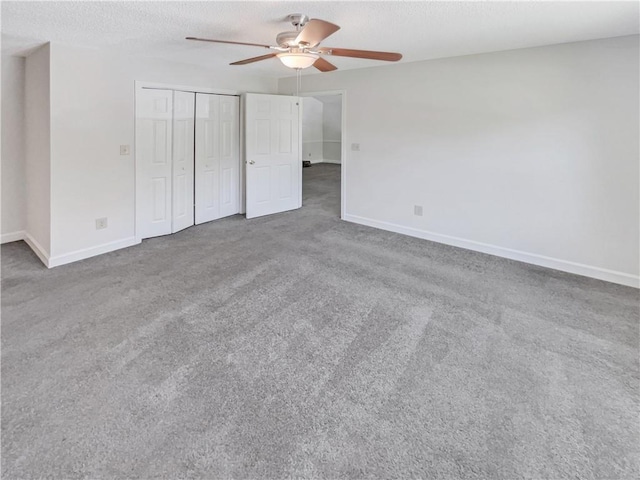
[[287, 39], [297, 19]]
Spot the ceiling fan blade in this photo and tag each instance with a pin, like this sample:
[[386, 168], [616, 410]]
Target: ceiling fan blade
[[226, 41], [324, 66], [254, 59], [372, 55], [315, 31]]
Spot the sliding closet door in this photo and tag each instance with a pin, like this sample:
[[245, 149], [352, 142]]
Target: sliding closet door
[[154, 116], [183, 158], [217, 157]]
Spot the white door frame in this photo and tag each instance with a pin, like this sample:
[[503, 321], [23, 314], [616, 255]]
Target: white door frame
[[138, 86], [343, 143]]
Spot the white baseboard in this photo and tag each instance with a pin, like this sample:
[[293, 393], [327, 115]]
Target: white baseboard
[[532, 258], [322, 160], [12, 237], [38, 249], [91, 252]]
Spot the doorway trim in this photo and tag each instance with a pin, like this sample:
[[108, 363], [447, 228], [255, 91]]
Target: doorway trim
[[343, 142], [141, 84]]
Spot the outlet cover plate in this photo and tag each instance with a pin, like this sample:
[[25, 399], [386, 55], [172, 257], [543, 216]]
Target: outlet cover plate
[[101, 223]]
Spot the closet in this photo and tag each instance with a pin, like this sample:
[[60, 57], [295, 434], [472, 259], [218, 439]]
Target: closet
[[187, 159]]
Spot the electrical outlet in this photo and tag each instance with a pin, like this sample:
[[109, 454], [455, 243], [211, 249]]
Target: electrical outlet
[[125, 150], [417, 210], [355, 147], [101, 223]]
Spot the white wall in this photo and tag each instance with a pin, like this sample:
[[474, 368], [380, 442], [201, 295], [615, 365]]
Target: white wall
[[312, 136], [321, 129], [37, 152], [332, 129], [13, 196], [92, 109], [530, 154]]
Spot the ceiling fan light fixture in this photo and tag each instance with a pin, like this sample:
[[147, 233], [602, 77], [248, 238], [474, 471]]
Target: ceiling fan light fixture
[[298, 60]]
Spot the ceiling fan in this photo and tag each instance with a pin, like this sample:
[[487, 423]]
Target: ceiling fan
[[300, 48]]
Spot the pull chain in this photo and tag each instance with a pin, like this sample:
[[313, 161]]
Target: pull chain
[[298, 70]]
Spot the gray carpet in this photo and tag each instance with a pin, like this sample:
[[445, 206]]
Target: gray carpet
[[298, 345]]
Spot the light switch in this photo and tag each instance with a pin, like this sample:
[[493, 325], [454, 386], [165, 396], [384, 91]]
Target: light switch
[[124, 150], [355, 147]]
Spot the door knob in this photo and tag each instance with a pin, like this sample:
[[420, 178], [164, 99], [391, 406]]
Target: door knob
[[251, 162]]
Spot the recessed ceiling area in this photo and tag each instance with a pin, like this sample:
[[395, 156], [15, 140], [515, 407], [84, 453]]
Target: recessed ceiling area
[[418, 30]]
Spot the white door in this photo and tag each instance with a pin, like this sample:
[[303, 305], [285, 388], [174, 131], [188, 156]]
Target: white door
[[217, 157], [154, 115], [183, 166], [273, 151]]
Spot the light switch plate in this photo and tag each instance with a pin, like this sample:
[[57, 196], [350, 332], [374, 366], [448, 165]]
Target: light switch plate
[[355, 147], [417, 210], [125, 150]]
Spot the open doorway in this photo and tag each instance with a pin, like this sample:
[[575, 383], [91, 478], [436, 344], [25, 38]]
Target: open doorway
[[322, 151]]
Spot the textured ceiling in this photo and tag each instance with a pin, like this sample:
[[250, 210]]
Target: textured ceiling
[[418, 30]]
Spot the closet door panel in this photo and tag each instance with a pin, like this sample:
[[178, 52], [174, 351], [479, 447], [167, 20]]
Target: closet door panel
[[229, 156], [154, 114], [207, 158], [217, 157], [183, 160]]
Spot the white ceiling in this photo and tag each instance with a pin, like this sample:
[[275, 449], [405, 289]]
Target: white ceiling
[[419, 30]]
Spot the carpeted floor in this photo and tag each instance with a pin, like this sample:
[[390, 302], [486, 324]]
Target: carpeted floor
[[298, 345]]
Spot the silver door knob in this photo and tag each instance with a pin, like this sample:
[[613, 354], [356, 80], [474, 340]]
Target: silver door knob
[[251, 162]]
